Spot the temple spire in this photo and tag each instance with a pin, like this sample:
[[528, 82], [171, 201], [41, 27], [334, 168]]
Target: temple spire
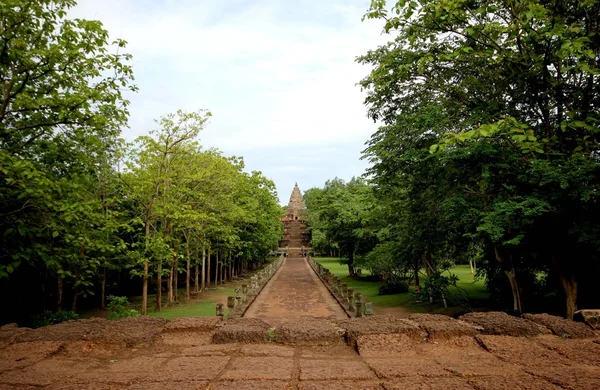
[[296, 204]]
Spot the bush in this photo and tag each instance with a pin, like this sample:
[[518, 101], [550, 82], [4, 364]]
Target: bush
[[393, 288], [117, 308], [51, 318]]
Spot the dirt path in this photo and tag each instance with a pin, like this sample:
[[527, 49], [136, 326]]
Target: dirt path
[[295, 292]]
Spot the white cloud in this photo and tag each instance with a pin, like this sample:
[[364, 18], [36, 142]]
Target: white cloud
[[278, 76]]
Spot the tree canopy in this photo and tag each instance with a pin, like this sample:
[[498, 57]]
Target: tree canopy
[[82, 212], [488, 144]]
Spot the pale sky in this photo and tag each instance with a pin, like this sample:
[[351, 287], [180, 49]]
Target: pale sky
[[278, 76]]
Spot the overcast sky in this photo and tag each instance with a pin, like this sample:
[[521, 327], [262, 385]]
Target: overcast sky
[[279, 77]]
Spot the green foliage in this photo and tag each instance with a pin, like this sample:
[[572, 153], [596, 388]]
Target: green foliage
[[51, 318], [395, 287], [339, 218], [118, 308], [80, 208], [488, 148]]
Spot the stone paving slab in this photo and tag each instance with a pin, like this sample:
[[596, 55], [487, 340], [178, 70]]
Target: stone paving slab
[[480, 362], [294, 292]]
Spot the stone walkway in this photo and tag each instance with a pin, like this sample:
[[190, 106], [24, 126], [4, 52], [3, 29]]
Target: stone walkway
[[294, 292], [190, 353]]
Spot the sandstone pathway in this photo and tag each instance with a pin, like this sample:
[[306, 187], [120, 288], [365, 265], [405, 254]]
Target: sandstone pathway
[[295, 292]]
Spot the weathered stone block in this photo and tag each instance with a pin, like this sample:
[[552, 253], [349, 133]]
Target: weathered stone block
[[590, 317], [441, 327], [380, 325], [499, 323], [561, 326], [242, 330]]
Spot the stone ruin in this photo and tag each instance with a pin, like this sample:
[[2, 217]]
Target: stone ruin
[[296, 240]]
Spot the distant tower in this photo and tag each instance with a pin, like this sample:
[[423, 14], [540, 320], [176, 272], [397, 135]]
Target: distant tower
[[296, 238], [295, 210]]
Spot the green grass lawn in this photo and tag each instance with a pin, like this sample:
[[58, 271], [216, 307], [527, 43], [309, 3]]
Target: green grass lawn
[[475, 288], [369, 287], [195, 308], [192, 308]]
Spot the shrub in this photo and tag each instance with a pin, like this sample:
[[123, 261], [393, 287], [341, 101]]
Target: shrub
[[117, 308], [395, 287], [51, 318]]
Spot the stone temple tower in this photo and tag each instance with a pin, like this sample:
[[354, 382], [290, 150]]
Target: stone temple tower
[[295, 237], [295, 210]]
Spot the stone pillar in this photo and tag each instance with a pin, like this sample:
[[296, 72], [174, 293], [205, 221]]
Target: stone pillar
[[350, 294], [238, 298], [230, 304], [219, 309], [358, 298], [244, 293], [368, 308]]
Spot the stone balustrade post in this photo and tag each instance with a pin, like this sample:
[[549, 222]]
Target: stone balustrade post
[[238, 297], [244, 293], [368, 308], [358, 298], [219, 309], [230, 304], [349, 294]]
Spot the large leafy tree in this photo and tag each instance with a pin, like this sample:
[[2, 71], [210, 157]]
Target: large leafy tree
[[341, 213], [61, 111], [506, 96]]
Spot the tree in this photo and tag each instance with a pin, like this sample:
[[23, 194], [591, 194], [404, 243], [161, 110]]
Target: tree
[[149, 176], [61, 111], [341, 212], [506, 96]]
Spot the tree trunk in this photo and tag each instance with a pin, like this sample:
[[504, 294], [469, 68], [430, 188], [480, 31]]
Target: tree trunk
[[175, 275], [170, 288], [512, 278], [511, 274], [351, 270], [103, 291], [444, 300], [75, 295], [197, 271], [428, 264], [221, 272], [208, 268], [196, 279], [417, 270], [59, 283], [144, 309], [569, 285], [472, 264], [203, 267], [216, 268], [187, 274], [159, 286]]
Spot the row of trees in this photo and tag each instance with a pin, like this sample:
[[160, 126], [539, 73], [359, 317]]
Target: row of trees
[[192, 203], [488, 148], [81, 211]]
